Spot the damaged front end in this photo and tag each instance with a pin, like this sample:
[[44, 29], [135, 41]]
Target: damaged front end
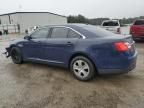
[[7, 53]]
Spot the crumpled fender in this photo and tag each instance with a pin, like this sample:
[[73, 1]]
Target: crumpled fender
[[7, 53]]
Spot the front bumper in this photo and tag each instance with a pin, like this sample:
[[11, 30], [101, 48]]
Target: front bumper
[[7, 52]]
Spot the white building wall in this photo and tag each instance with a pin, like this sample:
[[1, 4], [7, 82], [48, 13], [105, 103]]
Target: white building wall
[[26, 20], [4, 19], [9, 22], [39, 19], [14, 19]]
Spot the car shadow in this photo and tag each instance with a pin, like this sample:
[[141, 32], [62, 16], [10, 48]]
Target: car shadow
[[45, 65], [139, 41], [30, 71]]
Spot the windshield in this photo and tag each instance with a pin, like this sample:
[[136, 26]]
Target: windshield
[[139, 22], [111, 23]]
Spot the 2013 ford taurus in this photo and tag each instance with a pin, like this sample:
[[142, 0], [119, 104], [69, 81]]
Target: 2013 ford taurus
[[84, 49]]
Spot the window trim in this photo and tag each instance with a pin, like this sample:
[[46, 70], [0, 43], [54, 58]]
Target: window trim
[[69, 28], [74, 32]]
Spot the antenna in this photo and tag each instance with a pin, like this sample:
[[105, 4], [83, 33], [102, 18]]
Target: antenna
[[20, 7]]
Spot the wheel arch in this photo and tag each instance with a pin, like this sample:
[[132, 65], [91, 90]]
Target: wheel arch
[[84, 55], [12, 46]]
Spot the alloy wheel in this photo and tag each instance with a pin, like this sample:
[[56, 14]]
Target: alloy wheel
[[81, 68]]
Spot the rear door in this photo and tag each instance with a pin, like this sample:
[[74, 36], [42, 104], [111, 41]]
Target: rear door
[[59, 46]]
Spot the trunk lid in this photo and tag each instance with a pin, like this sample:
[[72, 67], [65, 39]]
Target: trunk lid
[[127, 40]]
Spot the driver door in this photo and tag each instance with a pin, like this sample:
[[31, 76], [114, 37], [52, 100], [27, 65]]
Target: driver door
[[33, 47]]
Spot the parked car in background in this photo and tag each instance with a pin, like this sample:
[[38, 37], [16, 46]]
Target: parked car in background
[[112, 25], [84, 49], [0, 33], [137, 29]]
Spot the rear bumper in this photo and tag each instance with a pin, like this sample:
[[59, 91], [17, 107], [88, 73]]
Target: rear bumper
[[138, 37], [130, 67]]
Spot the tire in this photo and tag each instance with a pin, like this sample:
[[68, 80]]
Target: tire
[[82, 68], [16, 55], [0, 32], [134, 38]]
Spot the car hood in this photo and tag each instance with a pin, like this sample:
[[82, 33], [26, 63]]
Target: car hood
[[15, 41]]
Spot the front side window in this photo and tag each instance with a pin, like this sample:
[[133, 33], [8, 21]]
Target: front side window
[[73, 34], [42, 33], [59, 32]]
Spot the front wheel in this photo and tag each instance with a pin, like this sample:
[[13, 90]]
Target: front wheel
[[16, 55], [82, 68]]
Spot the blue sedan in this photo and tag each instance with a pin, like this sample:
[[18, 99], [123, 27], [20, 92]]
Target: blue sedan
[[84, 49]]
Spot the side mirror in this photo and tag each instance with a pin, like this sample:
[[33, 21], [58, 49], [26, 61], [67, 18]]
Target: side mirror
[[28, 37]]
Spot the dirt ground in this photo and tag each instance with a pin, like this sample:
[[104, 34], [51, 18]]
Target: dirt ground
[[33, 85]]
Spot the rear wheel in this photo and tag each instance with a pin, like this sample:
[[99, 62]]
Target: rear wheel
[[82, 68], [16, 55]]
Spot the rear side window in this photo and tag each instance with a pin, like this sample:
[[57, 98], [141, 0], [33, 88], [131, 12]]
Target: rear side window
[[73, 34], [59, 32], [111, 23], [139, 22]]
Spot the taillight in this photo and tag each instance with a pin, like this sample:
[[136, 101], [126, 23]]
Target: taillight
[[118, 30], [122, 46]]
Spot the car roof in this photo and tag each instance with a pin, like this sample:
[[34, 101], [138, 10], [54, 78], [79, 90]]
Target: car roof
[[78, 27], [83, 29], [110, 20], [71, 25], [139, 20]]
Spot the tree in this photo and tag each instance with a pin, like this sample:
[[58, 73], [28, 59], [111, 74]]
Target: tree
[[98, 21], [77, 19], [82, 19]]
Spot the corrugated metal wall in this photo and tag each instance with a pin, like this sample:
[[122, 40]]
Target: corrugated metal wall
[[26, 20]]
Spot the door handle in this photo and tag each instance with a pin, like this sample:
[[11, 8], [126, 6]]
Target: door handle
[[69, 43], [38, 41]]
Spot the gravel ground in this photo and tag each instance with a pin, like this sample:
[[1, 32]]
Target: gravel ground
[[33, 85]]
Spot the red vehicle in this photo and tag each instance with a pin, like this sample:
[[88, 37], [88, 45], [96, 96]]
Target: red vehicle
[[137, 29]]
